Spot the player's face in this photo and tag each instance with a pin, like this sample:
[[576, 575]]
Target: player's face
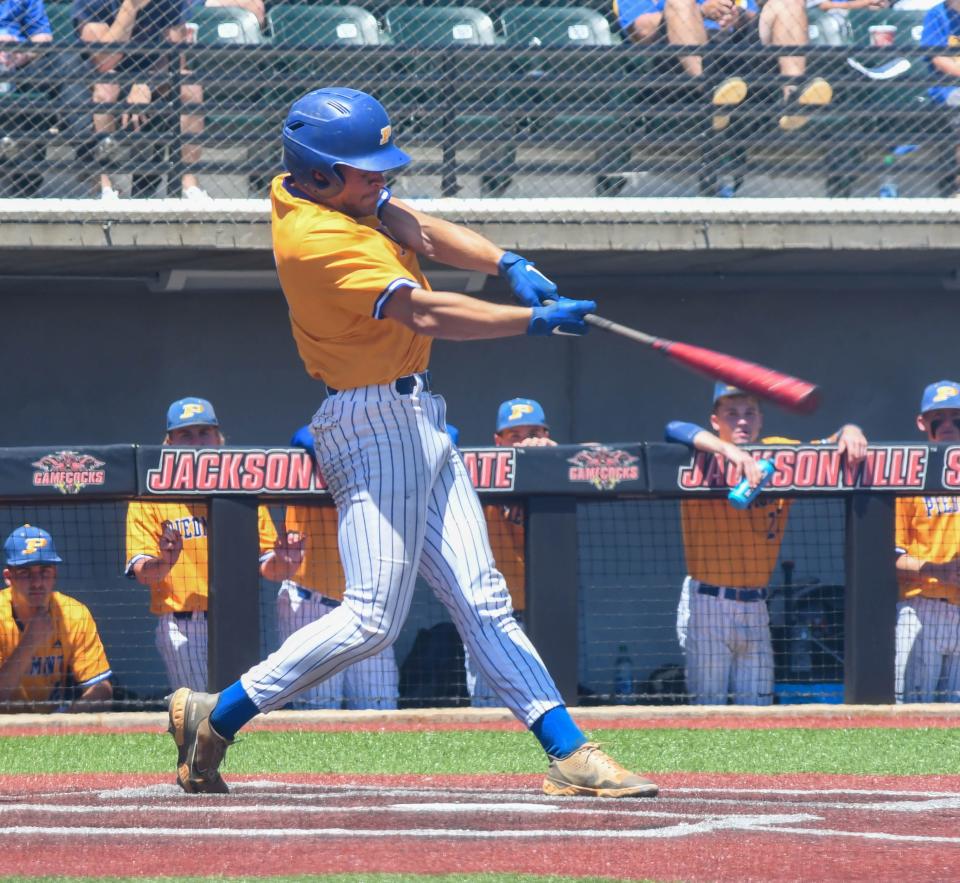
[[195, 437], [737, 419], [515, 436], [942, 425], [32, 584], [360, 193]]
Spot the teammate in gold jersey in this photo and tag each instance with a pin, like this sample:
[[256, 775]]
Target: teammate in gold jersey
[[927, 664], [167, 552], [51, 656], [722, 620]]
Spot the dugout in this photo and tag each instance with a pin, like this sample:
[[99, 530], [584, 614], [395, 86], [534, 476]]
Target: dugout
[[113, 313]]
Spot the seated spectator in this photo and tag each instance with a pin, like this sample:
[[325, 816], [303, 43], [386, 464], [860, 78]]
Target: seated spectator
[[941, 27], [694, 22], [141, 23], [521, 423], [24, 22], [167, 551], [316, 589], [51, 656]]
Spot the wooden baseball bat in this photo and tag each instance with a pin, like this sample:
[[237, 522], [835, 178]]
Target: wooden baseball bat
[[789, 392]]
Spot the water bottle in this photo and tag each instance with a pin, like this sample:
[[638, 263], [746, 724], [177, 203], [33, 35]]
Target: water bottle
[[743, 495], [888, 185], [623, 677], [6, 67], [801, 661]]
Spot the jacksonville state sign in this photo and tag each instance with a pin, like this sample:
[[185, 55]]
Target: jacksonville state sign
[[234, 472], [821, 468], [289, 471]]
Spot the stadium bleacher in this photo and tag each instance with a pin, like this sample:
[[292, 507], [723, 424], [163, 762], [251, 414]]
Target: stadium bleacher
[[498, 100]]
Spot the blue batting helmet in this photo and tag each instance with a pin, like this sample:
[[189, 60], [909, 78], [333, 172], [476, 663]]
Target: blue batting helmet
[[337, 126]]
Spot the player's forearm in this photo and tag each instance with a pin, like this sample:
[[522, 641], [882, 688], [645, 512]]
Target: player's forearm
[[277, 570], [13, 670], [450, 316], [93, 697], [440, 240], [151, 570]]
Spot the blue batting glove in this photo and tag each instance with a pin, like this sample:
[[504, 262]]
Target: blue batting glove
[[529, 285], [564, 316]]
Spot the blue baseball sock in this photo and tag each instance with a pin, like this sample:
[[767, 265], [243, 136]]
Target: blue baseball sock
[[234, 709], [557, 733]]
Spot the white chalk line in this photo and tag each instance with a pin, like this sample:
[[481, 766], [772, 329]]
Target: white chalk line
[[184, 808], [704, 826]]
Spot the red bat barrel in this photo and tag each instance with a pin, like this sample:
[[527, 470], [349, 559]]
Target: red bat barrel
[[789, 392]]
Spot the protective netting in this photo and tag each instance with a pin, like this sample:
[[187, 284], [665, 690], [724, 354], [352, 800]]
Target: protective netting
[[769, 628], [654, 98], [633, 568]]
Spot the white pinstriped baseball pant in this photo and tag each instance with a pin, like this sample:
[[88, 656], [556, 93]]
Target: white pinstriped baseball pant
[[405, 506], [182, 644], [927, 663], [369, 683]]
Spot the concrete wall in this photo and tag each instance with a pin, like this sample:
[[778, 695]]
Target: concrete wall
[[98, 361]]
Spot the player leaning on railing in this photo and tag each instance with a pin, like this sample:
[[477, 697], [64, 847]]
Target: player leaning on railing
[[363, 317], [722, 618]]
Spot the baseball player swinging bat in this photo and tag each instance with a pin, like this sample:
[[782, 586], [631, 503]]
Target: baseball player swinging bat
[[789, 392]]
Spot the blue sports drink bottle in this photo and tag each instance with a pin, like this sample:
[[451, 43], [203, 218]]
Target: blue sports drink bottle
[[743, 495]]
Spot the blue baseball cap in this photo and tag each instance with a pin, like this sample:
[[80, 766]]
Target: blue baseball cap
[[191, 412], [520, 412], [454, 434], [942, 394], [721, 390], [30, 545]]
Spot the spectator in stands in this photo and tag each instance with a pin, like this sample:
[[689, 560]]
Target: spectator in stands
[[51, 656], [927, 662], [167, 552], [140, 23], [24, 22], [693, 22], [941, 28], [314, 591], [521, 423]]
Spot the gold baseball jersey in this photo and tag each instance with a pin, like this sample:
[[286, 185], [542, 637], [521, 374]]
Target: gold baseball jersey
[[185, 587], [506, 529], [928, 528], [734, 547], [73, 655], [337, 273], [320, 571]]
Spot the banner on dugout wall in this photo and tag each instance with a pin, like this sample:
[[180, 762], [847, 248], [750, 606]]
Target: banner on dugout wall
[[61, 471]]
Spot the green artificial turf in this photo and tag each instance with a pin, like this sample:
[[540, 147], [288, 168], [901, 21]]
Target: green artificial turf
[[865, 751]]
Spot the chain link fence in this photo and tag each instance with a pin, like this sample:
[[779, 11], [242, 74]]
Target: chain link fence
[[650, 98]]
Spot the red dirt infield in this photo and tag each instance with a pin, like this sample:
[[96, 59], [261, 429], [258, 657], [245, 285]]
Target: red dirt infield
[[702, 827]]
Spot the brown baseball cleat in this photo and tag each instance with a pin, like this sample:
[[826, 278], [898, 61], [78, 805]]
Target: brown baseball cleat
[[588, 772], [200, 748]]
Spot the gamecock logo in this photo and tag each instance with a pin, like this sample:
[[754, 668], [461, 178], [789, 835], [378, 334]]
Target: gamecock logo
[[68, 471], [603, 468]]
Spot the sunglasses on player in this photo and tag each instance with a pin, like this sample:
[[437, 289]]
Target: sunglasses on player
[[936, 424]]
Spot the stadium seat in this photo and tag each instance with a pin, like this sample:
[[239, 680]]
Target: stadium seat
[[225, 26], [439, 26], [555, 26], [825, 29], [297, 24], [61, 21]]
